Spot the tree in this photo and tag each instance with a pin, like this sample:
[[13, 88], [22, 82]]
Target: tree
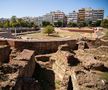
[[1, 24], [45, 23], [98, 23], [14, 24], [104, 23], [58, 23], [48, 29], [89, 24], [13, 19], [35, 26], [20, 22], [6, 24], [72, 24], [81, 24]]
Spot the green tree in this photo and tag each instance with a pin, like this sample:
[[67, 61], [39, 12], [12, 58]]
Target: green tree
[[1, 25], [45, 23], [13, 22], [48, 29], [72, 24], [6, 24], [98, 23], [20, 22], [89, 24], [81, 24], [104, 23], [58, 23], [35, 26], [13, 19]]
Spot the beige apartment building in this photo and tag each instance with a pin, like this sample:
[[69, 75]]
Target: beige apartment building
[[81, 15], [89, 14], [58, 16]]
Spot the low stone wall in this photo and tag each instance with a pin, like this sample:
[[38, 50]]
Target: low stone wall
[[84, 31], [24, 30], [6, 35], [3, 42], [4, 54], [39, 46], [47, 46]]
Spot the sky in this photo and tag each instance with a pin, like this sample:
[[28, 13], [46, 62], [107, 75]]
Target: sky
[[21, 8]]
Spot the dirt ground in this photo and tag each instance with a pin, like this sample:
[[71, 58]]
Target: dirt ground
[[60, 34]]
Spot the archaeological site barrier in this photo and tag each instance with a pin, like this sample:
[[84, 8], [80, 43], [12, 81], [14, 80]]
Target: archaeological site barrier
[[38, 45], [48, 46]]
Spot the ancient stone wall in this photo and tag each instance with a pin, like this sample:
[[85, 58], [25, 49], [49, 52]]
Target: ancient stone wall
[[3, 42], [6, 35], [42, 46], [39, 45], [4, 54]]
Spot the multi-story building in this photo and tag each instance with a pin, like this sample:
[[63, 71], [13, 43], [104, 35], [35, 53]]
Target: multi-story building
[[48, 17], [58, 16], [72, 17], [29, 19], [88, 14], [98, 14], [3, 19], [81, 15], [40, 20], [52, 17]]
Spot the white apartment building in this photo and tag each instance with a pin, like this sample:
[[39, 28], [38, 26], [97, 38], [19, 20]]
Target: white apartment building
[[48, 17], [98, 14], [3, 19], [72, 17], [40, 20]]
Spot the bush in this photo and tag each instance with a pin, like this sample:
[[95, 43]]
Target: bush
[[45, 23], [72, 24], [48, 29], [81, 24], [104, 23], [58, 24]]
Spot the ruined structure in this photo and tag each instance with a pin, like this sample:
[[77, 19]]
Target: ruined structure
[[69, 65]]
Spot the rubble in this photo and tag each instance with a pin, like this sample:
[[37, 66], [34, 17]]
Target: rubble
[[82, 69]]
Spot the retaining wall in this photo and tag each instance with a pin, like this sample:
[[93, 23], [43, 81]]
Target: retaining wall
[[40, 46], [48, 45]]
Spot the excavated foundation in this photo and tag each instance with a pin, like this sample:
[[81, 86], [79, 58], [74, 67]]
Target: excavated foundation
[[81, 68]]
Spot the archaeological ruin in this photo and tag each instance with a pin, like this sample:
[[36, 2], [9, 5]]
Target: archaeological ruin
[[54, 64]]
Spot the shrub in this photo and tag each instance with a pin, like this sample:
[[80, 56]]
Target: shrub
[[104, 23], [48, 29]]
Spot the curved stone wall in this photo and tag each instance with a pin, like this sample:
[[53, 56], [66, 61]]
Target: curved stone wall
[[40, 46], [47, 46]]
